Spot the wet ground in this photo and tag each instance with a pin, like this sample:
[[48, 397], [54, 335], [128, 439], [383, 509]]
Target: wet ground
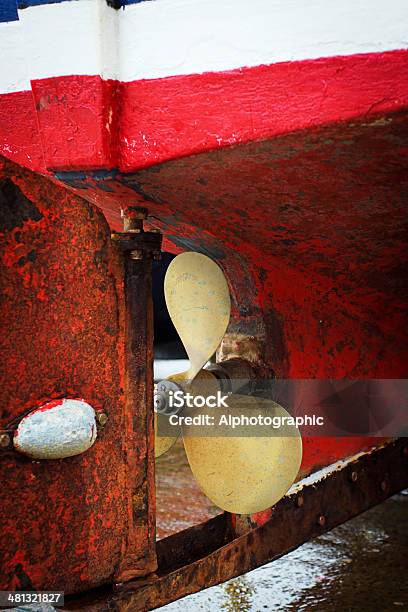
[[361, 566]]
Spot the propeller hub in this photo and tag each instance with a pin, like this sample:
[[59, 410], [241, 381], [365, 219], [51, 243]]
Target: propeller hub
[[168, 398], [234, 375]]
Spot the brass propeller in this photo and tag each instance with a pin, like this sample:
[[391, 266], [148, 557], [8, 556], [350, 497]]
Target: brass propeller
[[244, 472]]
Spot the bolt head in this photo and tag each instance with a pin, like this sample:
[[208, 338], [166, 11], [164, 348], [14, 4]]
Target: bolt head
[[160, 402], [354, 476], [321, 520], [384, 485], [4, 440], [102, 418], [300, 501], [135, 212]]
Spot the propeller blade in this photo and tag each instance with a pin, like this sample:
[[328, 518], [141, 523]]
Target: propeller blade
[[244, 473], [161, 443], [198, 301]]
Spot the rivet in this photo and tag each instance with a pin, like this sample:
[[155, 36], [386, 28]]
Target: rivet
[[102, 418], [384, 485], [300, 501], [4, 440], [321, 520], [354, 476]]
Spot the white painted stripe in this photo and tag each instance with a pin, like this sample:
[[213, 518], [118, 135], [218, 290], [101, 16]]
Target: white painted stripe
[[174, 37], [70, 38], [13, 71]]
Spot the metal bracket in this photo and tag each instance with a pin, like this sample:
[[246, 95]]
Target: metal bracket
[[138, 248], [134, 240]]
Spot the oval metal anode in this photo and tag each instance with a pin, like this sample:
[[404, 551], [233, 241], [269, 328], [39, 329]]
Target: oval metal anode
[[56, 430]]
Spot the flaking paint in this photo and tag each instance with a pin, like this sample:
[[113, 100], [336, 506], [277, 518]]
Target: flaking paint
[[65, 524]]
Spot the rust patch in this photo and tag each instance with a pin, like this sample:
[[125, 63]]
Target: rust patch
[[15, 207], [65, 525]]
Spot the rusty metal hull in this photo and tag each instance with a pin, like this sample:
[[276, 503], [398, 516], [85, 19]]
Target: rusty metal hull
[[69, 308], [207, 554]]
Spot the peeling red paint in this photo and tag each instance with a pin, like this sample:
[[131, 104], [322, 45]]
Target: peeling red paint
[[309, 229], [80, 122], [73, 116], [19, 134], [214, 110]]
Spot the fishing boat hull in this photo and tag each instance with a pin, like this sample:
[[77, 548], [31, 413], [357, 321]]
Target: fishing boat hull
[[272, 140]]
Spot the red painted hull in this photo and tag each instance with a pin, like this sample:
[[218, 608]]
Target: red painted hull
[[309, 230], [83, 122], [292, 175]]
